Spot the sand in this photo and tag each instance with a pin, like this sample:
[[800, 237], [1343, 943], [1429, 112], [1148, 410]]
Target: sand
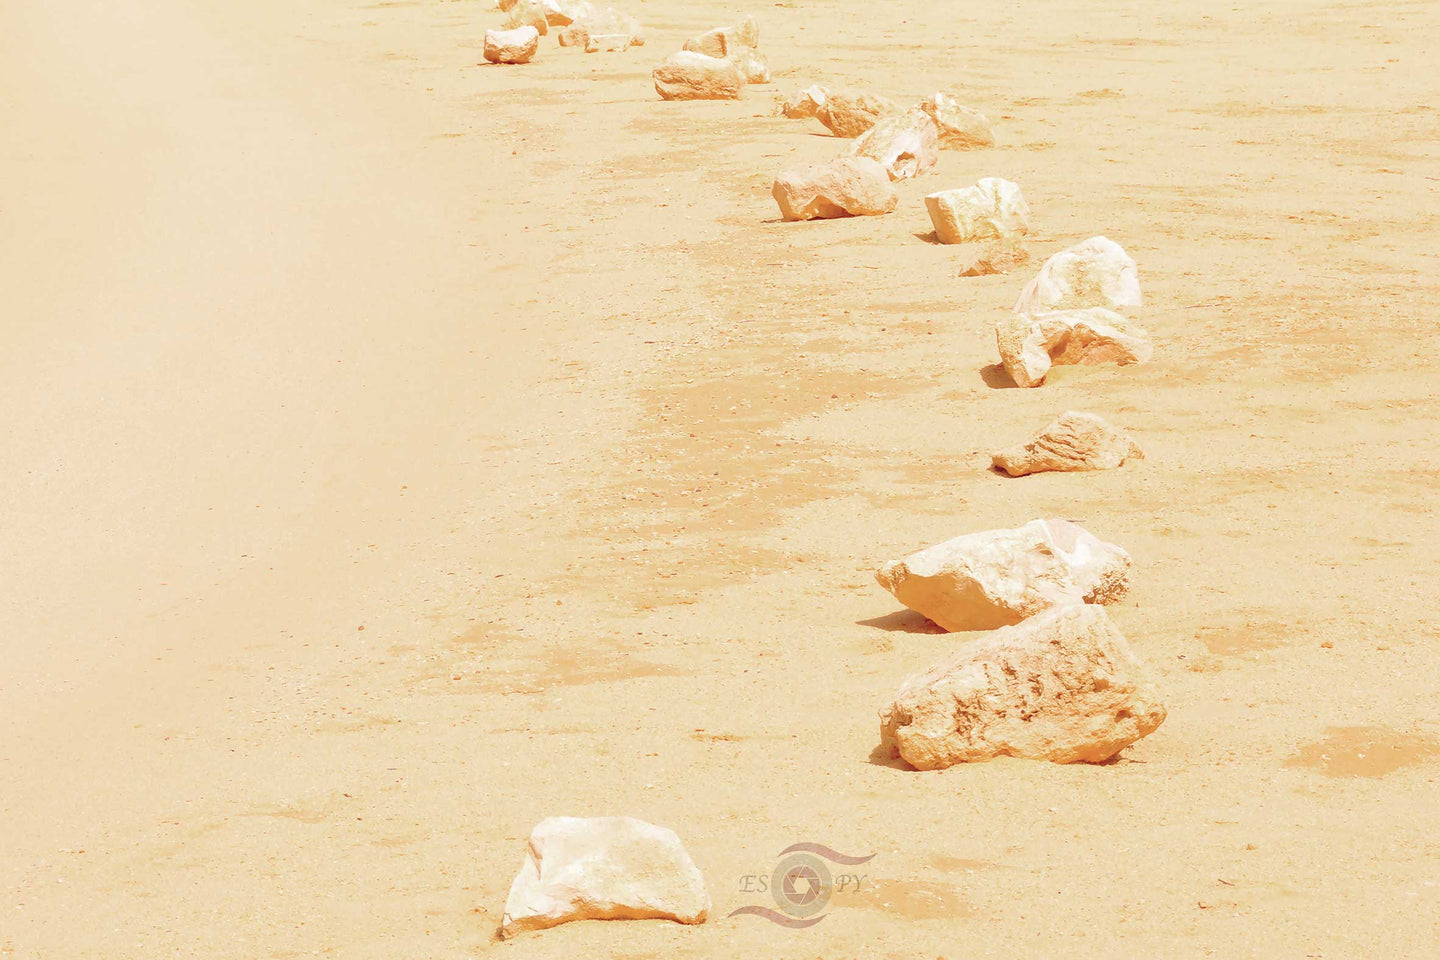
[[400, 450]]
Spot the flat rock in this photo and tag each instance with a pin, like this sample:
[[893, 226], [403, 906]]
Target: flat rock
[[906, 145], [1031, 343], [607, 42], [844, 187], [1063, 686], [511, 46], [849, 113], [961, 127], [687, 75], [1093, 273], [1076, 441], [995, 578], [603, 868], [805, 103]]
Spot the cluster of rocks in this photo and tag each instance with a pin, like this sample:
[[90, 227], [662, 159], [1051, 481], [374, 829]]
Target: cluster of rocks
[[716, 65], [578, 23], [904, 143]]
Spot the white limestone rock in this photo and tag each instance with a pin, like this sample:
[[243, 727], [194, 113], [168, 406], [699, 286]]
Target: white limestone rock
[[991, 209], [849, 113], [906, 145], [1063, 686], [603, 868], [511, 46], [1075, 441], [1094, 273], [961, 127], [687, 75], [994, 578], [805, 103], [844, 187], [1031, 343]]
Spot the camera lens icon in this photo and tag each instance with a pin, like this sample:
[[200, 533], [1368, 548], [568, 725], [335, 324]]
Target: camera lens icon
[[801, 885]]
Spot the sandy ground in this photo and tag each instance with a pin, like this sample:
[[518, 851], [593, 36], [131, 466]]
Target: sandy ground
[[399, 450]]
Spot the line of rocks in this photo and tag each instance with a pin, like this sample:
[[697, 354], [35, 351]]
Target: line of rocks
[[577, 23]]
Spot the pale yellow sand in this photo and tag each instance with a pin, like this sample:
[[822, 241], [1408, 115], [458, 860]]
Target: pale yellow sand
[[398, 451]]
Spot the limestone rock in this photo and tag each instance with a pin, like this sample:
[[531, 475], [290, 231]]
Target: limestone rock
[[603, 868], [961, 127], [906, 145], [511, 46], [994, 578], [1031, 343], [726, 41], [847, 186], [694, 76], [753, 65], [991, 209], [562, 13], [1076, 441], [608, 42], [574, 35], [1094, 273], [528, 13], [1064, 686], [805, 103], [608, 23], [984, 257], [849, 113]]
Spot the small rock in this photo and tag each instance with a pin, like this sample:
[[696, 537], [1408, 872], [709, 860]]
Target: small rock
[[991, 209], [906, 145], [574, 35], [984, 257], [753, 65], [1094, 273], [606, 22], [511, 46], [603, 868], [528, 13], [849, 113], [1031, 343], [1076, 441], [607, 42], [961, 128], [994, 578], [694, 76], [847, 186], [805, 103], [1064, 686]]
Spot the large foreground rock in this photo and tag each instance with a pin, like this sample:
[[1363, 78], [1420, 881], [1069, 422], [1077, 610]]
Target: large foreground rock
[[844, 187], [805, 103], [849, 113], [603, 868], [906, 146], [1031, 343], [687, 75], [1064, 686], [961, 127], [1076, 441], [1093, 273], [991, 579], [511, 46]]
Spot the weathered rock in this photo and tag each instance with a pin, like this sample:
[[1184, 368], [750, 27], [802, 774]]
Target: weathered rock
[[805, 103], [694, 76], [607, 42], [849, 113], [846, 186], [726, 41], [906, 145], [753, 65], [983, 257], [1064, 686], [961, 127], [1076, 441], [562, 13], [991, 209], [608, 23], [511, 46], [528, 13], [1031, 343], [1094, 273], [994, 578], [603, 868]]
